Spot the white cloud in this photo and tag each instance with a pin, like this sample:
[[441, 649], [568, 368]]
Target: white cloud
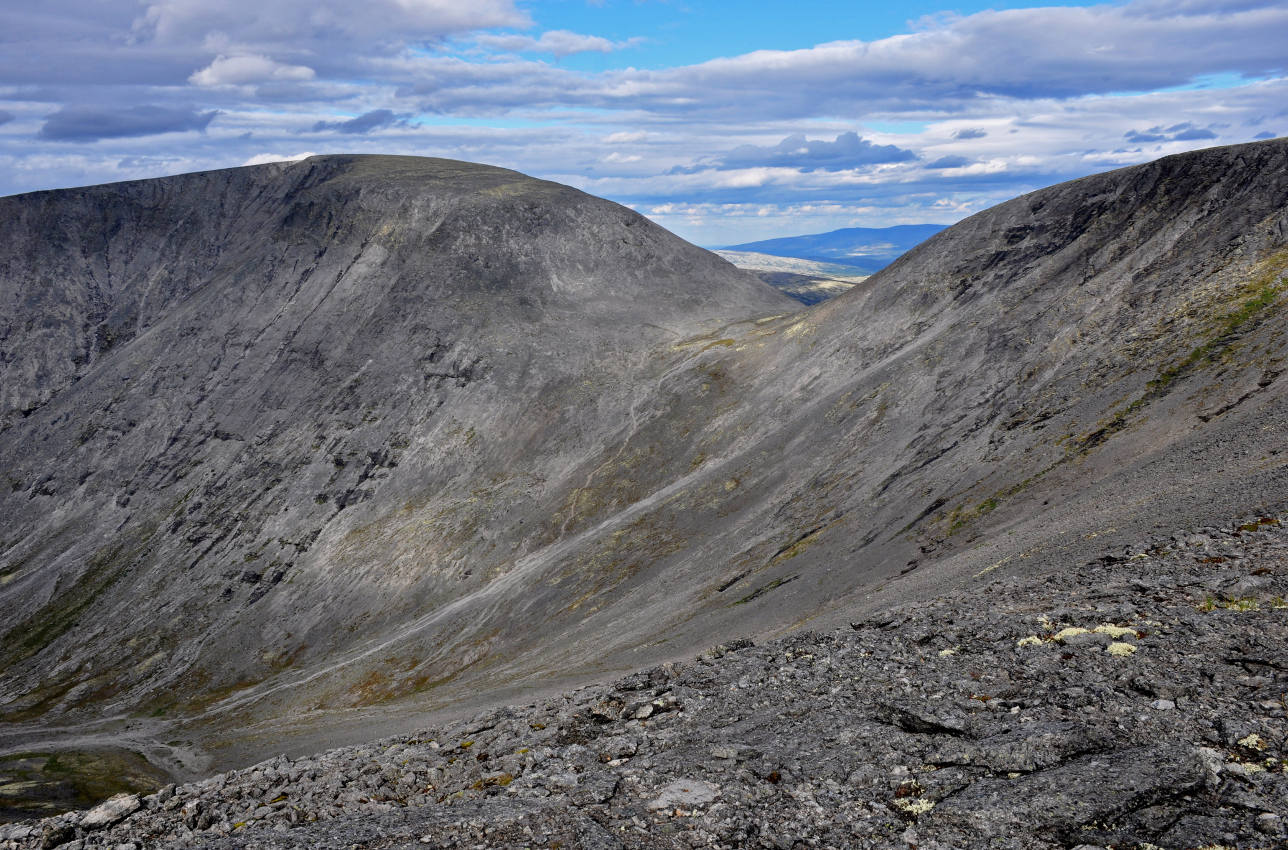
[[250, 68], [625, 137], [558, 42], [265, 158]]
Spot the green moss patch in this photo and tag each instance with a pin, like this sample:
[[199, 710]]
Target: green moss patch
[[41, 784]]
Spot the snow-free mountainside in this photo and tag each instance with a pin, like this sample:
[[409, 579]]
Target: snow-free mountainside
[[304, 455]]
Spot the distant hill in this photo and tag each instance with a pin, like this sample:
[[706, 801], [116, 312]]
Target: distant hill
[[808, 281], [868, 249]]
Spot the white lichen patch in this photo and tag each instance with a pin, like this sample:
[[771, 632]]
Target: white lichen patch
[[913, 807], [1253, 742], [1120, 649], [944, 653], [1109, 629]]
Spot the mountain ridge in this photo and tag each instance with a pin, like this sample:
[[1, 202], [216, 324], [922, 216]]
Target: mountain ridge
[[1057, 375]]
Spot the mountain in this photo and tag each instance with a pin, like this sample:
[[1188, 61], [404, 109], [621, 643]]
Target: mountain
[[868, 249], [299, 422], [297, 454]]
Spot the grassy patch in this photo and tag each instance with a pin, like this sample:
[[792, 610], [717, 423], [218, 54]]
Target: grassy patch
[[964, 515], [1244, 603], [67, 605]]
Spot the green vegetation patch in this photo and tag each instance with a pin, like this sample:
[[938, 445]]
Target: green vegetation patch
[[1255, 297], [68, 604], [64, 609], [963, 515], [41, 784]]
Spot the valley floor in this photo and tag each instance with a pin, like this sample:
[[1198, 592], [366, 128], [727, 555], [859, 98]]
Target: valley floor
[[1130, 702]]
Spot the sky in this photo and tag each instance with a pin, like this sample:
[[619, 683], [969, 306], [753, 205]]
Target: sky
[[724, 121]]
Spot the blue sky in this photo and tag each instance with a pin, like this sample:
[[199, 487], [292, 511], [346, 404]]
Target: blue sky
[[724, 121]]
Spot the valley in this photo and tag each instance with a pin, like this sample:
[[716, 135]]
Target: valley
[[303, 455]]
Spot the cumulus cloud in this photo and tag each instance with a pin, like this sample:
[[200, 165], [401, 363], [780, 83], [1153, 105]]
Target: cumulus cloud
[[558, 42], [1038, 52], [91, 123], [164, 42], [1184, 132], [374, 120], [847, 151], [1264, 134], [265, 158], [1050, 52], [249, 68]]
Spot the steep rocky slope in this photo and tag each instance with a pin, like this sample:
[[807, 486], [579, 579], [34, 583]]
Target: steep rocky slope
[[255, 418], [387, 435], [1134, 701]]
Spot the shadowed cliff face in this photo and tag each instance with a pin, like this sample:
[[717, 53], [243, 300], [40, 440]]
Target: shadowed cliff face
[[309, 446]]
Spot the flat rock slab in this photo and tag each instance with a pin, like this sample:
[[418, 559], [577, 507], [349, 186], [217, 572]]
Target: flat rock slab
[[112, 811], [684, 794], [1093, 789]]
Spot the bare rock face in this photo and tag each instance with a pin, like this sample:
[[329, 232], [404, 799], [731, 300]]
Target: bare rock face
[[294, 449]]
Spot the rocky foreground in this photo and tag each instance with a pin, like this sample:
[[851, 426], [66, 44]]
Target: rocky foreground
[[1137, 701]]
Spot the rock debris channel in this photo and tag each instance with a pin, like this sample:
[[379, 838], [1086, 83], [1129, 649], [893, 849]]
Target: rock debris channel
[[1135, 701]]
